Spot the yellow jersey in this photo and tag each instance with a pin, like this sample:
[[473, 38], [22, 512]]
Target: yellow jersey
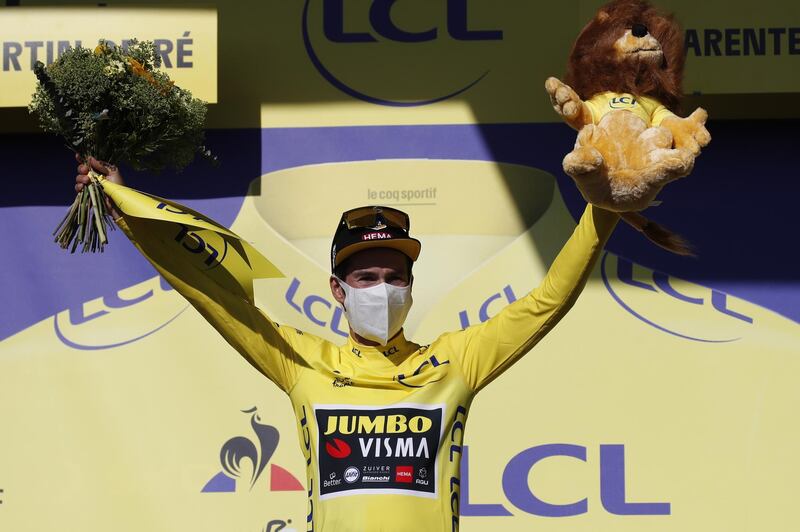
[[648, 109], [381, 428]]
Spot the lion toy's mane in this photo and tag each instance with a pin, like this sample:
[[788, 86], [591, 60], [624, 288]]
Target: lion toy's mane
[[594, 66]]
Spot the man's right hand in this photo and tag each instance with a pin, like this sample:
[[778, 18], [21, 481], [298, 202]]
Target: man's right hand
[[110, 172]]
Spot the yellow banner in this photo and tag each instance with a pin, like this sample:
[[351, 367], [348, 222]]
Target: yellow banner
[[185, 37], [211, 248]]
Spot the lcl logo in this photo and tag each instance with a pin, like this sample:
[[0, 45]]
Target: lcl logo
[[380, 17], [622, 102], [681, 309], [120, 317], [319, 310], [503, 297], [383, 26], [614, 496]]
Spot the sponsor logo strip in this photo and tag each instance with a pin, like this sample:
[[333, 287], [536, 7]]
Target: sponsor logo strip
[[378, 449]]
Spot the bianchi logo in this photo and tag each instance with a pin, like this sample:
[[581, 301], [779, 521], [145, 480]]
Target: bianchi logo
[[256, 452]]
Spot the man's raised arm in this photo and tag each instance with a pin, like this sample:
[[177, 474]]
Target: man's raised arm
[[229, 309], [486, 350]]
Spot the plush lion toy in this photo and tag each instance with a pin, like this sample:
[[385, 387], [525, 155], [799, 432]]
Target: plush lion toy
[[622, 88]]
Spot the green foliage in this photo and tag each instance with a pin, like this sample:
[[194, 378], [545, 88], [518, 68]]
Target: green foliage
[[112, 104]]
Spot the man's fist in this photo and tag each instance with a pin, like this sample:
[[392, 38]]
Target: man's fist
[[110, 172]]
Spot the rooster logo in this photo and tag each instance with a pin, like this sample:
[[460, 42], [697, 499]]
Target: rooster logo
[[258, 452]]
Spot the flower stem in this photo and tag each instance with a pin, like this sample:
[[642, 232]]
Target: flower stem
[[87, 220]]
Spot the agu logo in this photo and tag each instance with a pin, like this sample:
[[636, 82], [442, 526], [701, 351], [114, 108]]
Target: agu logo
[[257, 452], [373, 50]]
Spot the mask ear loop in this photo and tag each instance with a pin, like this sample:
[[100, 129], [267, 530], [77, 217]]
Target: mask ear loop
[[341, 282]]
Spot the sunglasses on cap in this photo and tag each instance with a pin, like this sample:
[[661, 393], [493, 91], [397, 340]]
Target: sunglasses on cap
[[375, 217]]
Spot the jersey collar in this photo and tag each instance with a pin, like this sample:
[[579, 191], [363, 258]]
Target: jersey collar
[[391, 354]]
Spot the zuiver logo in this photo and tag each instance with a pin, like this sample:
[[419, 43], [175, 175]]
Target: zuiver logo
[[257, 453], [384, 31], [678, 308]]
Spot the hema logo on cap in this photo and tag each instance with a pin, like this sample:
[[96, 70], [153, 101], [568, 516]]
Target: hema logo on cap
[[375, 236], [383, 29]]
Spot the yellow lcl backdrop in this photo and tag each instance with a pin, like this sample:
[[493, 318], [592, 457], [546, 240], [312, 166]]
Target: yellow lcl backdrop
[[696, 385], [133, 433]]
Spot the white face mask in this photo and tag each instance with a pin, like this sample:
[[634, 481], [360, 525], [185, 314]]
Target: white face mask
[[376, 313]]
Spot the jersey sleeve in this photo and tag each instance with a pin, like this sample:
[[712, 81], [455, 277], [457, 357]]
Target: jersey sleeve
[[592, 104], [659, 114], [270, 348], [485, 350]]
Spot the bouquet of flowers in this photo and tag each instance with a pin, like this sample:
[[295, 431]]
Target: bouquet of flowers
[[113, 105]]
